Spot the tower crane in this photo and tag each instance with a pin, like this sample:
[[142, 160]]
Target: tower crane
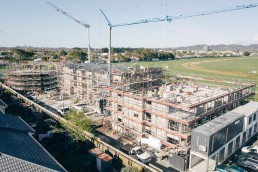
[[77, 21], [168, 19]]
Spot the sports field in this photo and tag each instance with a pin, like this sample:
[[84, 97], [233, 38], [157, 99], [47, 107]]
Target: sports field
[[226, 68]]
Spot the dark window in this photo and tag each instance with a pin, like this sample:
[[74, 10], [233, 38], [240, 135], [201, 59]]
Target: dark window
[[136, 115], [250, 132], [148, 131], [119, 119], [120, 95], [237, 142], [148, 101], [148, 117], [173, 141], [230, 148], [244, 137], [119, 108], [250, 120], [254, 117], [172, 125]]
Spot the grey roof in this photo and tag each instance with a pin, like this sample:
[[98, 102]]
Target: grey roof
[[99, 68], [247, 109], [11, 122], [16, 141], [2, 103], [11, 164], [218, 123]]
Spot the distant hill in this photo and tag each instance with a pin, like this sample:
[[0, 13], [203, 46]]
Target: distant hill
[[222, 47]]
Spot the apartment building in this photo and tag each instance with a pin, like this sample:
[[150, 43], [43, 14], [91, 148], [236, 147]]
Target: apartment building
[[86, 81], [169, 113]]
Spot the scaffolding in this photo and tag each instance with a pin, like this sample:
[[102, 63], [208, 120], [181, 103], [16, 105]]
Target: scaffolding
[[170, 111], [33, 77]]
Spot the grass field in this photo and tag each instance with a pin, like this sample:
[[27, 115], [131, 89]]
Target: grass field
[[226, 68]]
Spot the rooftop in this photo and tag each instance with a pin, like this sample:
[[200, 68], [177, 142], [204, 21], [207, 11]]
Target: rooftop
[[247, 109], [14, 123], [10, 163], [17, 146], [99, 68], [218, 123]]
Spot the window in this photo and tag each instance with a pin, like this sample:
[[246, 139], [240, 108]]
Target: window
[[237, 142], [172, 125], [135, 115], [250, 120], [120, 95], [254, 117], [148, 117], [149, 102], [244, 137], [253, 150], [173, 141], [250, 132], [148, 130], [119, 108], [119, 119]]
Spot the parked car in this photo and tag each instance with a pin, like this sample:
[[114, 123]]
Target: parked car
[[137, 152], [140, 154], [248, 149]]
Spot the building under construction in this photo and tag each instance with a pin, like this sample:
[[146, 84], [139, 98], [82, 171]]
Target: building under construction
[[33, 77], [86, 81], [166, 115]]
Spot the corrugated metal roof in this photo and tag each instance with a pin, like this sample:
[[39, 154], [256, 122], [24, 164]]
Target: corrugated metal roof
[[11, 164], [2, 103], [218, 123], [16, 141], [247, 109], [11, 122]]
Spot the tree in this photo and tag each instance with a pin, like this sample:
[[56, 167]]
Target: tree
[[120, 57], [62, 53], [79, 120], [246, 53], [77, 54], [129, 169], [22, 54]]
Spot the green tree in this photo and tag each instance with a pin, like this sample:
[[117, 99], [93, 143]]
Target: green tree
[[80, 120], [77, 54], [246, 53], [62, 53], [22, 54]]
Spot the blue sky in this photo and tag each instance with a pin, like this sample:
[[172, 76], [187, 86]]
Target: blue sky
[[34, 23]]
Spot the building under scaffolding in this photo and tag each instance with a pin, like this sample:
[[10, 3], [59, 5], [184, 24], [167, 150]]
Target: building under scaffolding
[[33, 77], [167, 114], [86, 81]]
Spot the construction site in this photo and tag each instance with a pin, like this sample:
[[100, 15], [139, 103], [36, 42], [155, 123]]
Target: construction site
[[87, 81], [33, 77], [138, 105], [164, 115]]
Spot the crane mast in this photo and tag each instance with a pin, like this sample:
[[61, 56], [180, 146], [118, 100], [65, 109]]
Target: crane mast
[[77, 21]]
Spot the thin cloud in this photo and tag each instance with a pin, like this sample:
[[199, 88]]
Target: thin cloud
[[20, 33], [1, 31], [256, 37]]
